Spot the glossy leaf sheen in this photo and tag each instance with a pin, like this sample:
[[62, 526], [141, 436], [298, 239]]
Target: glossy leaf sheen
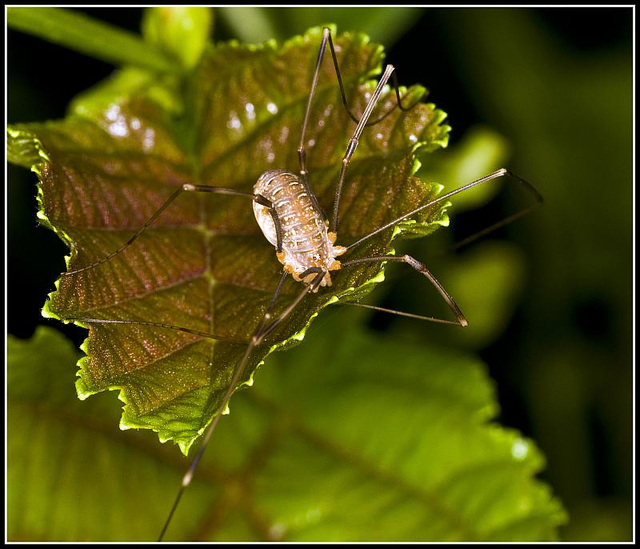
[[342, 449], [109, 166]]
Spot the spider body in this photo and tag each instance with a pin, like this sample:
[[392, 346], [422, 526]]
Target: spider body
[[306, 240]]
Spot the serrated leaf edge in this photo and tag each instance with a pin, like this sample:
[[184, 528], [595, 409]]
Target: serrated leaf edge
[[399, 230]]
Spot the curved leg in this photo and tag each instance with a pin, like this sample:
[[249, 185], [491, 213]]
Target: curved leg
[[326, 38], [364, 120], [422, 269]]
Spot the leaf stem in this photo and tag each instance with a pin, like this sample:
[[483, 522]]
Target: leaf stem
[[86, 35]]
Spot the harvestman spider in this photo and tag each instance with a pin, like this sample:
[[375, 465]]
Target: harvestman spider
[[292, 220]]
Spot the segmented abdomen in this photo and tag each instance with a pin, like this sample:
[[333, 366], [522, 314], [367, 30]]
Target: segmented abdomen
[[305, 243]]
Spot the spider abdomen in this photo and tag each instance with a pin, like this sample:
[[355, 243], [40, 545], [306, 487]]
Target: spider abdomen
[[306, 242]]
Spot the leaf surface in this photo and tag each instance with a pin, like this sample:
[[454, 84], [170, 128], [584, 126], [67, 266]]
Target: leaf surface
[[125, 147], [331, 445]]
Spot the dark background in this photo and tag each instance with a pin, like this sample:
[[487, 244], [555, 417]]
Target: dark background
[[557, 84]]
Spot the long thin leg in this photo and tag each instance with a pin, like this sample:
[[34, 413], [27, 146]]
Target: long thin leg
[[344, 97], [494, 226], [261, 332], [422, 269], [326, 38], [494, 175], [353, 143], [396, 312], [188, 187], [272, 303]]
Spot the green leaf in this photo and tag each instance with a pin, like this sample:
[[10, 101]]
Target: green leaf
[[81, 33], [180, 31], [333, 444], [70, 474], [203, 265]]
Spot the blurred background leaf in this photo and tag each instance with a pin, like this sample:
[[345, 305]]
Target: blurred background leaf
[[556, 85], [87, 35], [564, 97], [182, 32], [260, 24], [341, 449]]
